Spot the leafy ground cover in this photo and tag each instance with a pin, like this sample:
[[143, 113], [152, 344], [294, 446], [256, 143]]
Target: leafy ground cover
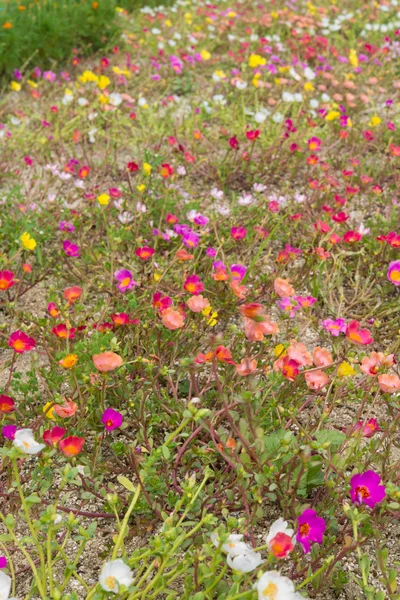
[[199, 287]]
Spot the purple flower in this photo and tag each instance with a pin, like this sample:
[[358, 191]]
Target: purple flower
[[190, 239], [125, 279], [49, 75], [238, 271], [3, 562], [211, 252], [66, 226], [111, 419], [201, 220], [335, 327], [218, 264], [9, 431], [71, 249], [17, 75], [393, 273], [311, 529], [289, 305], [366, 489]]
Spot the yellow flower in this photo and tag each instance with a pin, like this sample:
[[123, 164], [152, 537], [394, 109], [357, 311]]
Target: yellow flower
[[32, 83], [156, 276], [68, 361], [353, 58], [103, 82], [168, 23], [147, 168], [103, 199], [345, 370], [27, 241], [141, 187], [375, 121], [274, 14], [188, 18], [309, 87], [332, 115], [103, 99], [49, 413], [255, 60], [205, 55], [88, 76], [15, 86], [280, 351], [231, 14], [277, 81], [220, 74]]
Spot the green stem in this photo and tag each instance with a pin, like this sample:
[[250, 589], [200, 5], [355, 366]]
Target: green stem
[[124, 525]]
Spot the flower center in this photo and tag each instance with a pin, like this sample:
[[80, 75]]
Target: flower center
[[109, 423], [126, 281], [304, 529], [362, 491], [19, 345], [271, 591], [110, 582]]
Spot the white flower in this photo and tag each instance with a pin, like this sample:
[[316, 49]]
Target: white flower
[[287, 97], [272, 586], [91, 135], [245, 562], [363, 230], [245, 199], [25, 441], [240, 85], [277, 117], [217, 194], [299, 197], [325, 98], [125, 217], [219, 99], [309, 73], [314, 103], [115, 99], [67, 99], [83, 101], [233, 545], [295, 75], [113, 574], [142, 102], [259, 187], [57, 519], [181, 170], [298, 97], [140, 207], [5, 586]]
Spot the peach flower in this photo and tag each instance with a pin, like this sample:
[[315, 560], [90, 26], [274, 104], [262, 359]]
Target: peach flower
[[197, 303], [283, 288], [316, 380], [239, 290], [370, 364], [322, 357], [68, 409], [172, 319], [389, 383], [255, 331], [107, 361], [298, 352], [246, 367]]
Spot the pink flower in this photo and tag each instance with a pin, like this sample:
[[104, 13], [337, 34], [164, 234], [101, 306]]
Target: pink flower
[[311, 528], [238, 233], [111, 419], [172, 319], [372, 363], [358, 336], [21, 342], [107, 361], [246, 367], [193, 284], [255, 331], [197, 303], [316, 380], [393, 273], [125, 280], [389, 383], [71, 249], [366, 489], [298, 352], [280, 539], [367, 429], [335, 327]]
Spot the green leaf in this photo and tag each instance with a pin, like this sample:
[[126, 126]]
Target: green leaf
[[165, 452], [124, 481], [333, 436], [33, 499]]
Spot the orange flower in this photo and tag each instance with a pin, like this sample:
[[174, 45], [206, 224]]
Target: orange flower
[[239, 290], [68, 361], [73, 293], [71, 446], [107, 361], [255, 331], [7, 25], [172, 319]]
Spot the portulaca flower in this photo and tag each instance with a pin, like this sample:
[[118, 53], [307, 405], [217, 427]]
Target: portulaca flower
[[272, 586], [5, 586], [114, 574], [115, 99], [245, 563], [309, 74], [217, 194], [25, 441], [280, 539]]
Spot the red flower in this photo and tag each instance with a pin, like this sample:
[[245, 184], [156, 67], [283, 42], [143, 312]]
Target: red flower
[[7, 404], [132, 167], [352, 236], [166, 170], [6, 280], [84, 172], [71, 446], [340, 217], [64, 332], [290, 368], [193, 284], [21, 342], [51, 437], [52, 309], [145, 252], [253, 134], [233, 142]]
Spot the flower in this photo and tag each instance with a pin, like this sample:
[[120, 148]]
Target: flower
[[25, 441], [68, 361], [283, 288], [255, 331], [5, 582], [366, 489], [238, 272], [21, 342], [73, 293], [27, 241], [51, 437], [9, 431], [345, 369], [358, 336], [172, 319], [389, 383], [68, 409], [3, 562], [246, 367], [71, 249], [367, 429], [48, 410], [372, 363], [107, 361], [145, 252], [280, 539], [6, 280], [64, 332], [7, 404], [53, 310], [71, 446], [125, 279], [393, 273], [114, 574], [111, 419], [335, 327], [197, 303], [322, 357], [273, 586], [103, 199], [316, 380], [193, 284], [311, 528], [241, 557]]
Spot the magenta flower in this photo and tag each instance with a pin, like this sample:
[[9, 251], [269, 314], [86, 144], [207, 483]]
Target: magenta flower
[[394, 272], [238, 233], [9, 431], [190, 239], [311, 529], [305, 301], [125, 279], [66, 226], [289, 305], [335, 327], [238, 271], [111, 419], [211, 252], [3, 562], [366, 489], [71, 249], [201, 220]]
